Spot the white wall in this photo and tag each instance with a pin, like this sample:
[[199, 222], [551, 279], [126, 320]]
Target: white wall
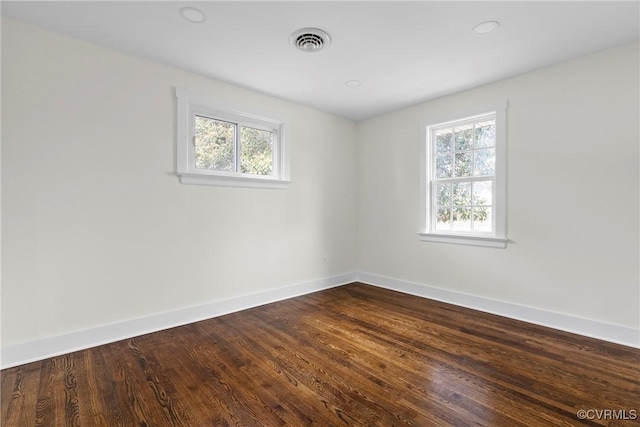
[[573, 211], [96, 227]]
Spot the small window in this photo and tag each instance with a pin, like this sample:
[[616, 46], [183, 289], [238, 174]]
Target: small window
[[222, 146], [464, 183]]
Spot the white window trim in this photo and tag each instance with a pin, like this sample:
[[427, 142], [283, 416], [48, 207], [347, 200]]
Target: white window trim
[[188, 105], [498, 239]]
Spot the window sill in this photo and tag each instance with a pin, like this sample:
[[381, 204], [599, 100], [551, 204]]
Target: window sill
[[490, 242], [233, 181]]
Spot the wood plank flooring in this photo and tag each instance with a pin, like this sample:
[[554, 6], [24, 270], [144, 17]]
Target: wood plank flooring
[[350, 356]]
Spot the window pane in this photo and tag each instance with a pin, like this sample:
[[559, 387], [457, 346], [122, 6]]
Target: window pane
[[444, 140], [463, 164], [443, 219], [444, 166], [256, 151], [464, 137], [485, 134], [482, 194], [214, 144], [482, 219], [443, 194], [462, 194], [462, 219], [485, 161]]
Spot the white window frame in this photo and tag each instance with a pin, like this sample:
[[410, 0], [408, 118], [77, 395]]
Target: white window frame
[[496, 239], [189, 106]]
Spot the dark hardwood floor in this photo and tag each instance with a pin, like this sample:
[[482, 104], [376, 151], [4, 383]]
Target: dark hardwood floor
[[354, 356]]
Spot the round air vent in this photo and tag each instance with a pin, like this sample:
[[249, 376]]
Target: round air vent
[[310, 39]]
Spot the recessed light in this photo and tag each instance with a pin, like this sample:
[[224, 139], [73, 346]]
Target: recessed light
[[352, 83], [486, 27], [192, 14]]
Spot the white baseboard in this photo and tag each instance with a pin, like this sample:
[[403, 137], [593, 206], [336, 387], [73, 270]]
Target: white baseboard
[[586, 327], [67, 343], [74, 341]]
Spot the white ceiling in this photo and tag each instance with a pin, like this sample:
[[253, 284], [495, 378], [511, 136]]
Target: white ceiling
[[402, 52]]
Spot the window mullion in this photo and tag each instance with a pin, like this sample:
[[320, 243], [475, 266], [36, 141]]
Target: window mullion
[[464, 179], [473, 173], [275, 152], [236, 159], [471, 206], [433, 206], [494, 209]]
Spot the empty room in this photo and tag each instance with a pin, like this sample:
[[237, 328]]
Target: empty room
[[354, 213]]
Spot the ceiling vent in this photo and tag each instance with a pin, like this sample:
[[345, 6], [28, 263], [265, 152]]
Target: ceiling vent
[[310, 39]]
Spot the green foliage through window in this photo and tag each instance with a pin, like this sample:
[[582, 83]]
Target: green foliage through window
[[216, 142], [464, 167], [256, 156]]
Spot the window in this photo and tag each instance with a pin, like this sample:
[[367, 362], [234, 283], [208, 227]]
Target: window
[[219, 145], [463, 177]]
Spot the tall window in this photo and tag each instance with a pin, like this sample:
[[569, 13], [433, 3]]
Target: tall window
[[221, 146], [464, 186]]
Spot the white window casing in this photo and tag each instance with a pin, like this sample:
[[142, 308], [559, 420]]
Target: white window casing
[[497, 235], [190, 105]]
